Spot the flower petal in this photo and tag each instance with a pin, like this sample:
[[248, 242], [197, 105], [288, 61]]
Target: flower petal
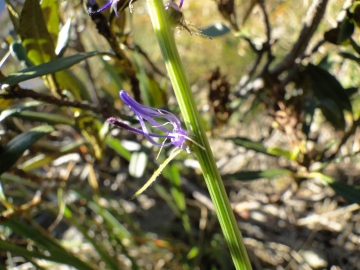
[[177, 135]]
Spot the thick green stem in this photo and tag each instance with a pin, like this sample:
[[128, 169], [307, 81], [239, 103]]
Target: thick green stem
[[193, 122]]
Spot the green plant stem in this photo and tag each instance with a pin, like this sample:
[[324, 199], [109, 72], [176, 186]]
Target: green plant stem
[[193, 122]]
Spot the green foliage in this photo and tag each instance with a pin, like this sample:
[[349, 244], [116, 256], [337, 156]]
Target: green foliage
[[291, 117], [253, 175], [17, 146], [54, 251], [45, 69], [34, 33]]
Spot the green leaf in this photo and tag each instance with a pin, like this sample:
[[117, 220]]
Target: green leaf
[[310, 106], [355, 46], [175, 180], [249, 144], [350, 56], [351, 193], [346, 30], [113, 223], [193, 253], [56, 252], [24, 252], [332, 113], [34, 34], [352, 91], [330, 96], [50, 9], [279, 152], [51, 119], [325, 63], [342, 33], [144, 85], [90, 128], [326, 85], [19, 53], [67, 80], [28, 105], [356, 13], [39, 43], [216, 30], [14, 149], [42, 159], [117, 146], [171, 172], [259, 147], [98, 246], [47, 68], [16, 179], [165, 195], [253, 175]]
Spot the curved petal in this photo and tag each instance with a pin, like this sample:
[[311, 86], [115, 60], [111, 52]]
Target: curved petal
[[144, 113]]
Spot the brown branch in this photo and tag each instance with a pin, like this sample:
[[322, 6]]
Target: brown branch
[[312, 20], [227, 9], [104, 29], [266, 19], [17, 92], [269, 42], [24, 208]]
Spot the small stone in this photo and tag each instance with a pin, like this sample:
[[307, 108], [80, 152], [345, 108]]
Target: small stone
[[314, 259]]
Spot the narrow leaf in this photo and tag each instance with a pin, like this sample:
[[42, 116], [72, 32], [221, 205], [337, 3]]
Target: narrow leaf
[[116, 145], [350, 56], [42, 159], [28, 105], [249, 144], [252, 175], [19, 53], [216, 30], [325, 85], [50, 9], [47, 68], [34, 34], [259, 147], [98, 246], [332, 113], [51, 119], [17, 146], [57, 253], [351, 193]]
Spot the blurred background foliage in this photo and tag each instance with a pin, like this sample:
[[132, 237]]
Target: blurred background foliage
[[277, 85]]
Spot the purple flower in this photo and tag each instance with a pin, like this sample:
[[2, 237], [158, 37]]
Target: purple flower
[[175, 133], [111, 3], [174, 5]]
